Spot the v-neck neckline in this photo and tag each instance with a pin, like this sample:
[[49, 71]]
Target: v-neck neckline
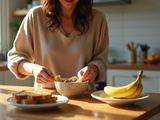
[[64, 34]]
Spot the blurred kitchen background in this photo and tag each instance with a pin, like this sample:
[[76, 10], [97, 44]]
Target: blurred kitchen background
[[128, 20]]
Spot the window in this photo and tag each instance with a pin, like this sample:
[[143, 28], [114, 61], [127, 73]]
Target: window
[[4, 25], [0, 22]]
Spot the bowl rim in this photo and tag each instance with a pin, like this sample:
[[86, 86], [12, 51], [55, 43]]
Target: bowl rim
[[71, 82]]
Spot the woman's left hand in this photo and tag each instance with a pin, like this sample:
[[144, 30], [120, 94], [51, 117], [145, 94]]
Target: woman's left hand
[[88, 73]]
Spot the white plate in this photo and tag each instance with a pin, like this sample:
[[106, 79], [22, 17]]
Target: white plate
[[60, 100], [115, 101]]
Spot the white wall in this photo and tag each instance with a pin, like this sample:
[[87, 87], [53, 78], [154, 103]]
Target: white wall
[[138, 22]]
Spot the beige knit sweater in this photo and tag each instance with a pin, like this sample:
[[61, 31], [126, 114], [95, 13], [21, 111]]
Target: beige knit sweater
[[63, 55]]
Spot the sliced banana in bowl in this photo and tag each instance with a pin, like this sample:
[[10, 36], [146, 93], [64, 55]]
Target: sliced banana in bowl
[[70, 86]]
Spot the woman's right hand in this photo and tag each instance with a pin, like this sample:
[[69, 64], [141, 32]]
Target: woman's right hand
[[42, 74]]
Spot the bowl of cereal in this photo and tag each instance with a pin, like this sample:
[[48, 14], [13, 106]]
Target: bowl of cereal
[[69, 87]]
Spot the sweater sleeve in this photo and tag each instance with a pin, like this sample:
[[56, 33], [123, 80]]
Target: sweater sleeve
[[100, 50], [22, 46]]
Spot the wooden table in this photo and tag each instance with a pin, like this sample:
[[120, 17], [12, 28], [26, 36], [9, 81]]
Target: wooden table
[[80, 108]]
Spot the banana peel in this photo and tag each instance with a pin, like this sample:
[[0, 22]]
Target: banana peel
[[129, 91]]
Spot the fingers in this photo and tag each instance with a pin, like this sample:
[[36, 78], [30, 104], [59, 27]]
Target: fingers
[[80, 73], [49, 73], [43, 75], [89, 77], [87, 73], [41, 80]]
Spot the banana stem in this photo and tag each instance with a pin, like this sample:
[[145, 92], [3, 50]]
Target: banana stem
[[140, 73], [140, 82]]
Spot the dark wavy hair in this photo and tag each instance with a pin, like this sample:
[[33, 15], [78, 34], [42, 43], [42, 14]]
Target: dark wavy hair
[[83, 12]]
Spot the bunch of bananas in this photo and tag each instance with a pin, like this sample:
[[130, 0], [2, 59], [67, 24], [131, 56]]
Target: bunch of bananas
[[129, 91]]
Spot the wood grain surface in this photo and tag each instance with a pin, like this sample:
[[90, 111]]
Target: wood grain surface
[[134, 66], [79, 108]]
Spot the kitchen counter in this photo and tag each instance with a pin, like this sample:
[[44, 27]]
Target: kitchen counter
[[3, 65], [134, 66], [79, 108], [125, 65]]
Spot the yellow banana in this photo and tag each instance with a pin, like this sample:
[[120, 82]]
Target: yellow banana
[[123, 91], [58, 78], [137, 92], [79, 80]]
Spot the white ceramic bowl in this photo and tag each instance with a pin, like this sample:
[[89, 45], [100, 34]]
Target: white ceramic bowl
[[71, 89]]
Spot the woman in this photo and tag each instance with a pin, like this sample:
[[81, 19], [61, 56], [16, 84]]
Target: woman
[[61, 37]]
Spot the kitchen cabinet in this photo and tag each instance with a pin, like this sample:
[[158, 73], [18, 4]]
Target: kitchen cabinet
[[1, 79], [18, 16], [7, 78], [120, 77]]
